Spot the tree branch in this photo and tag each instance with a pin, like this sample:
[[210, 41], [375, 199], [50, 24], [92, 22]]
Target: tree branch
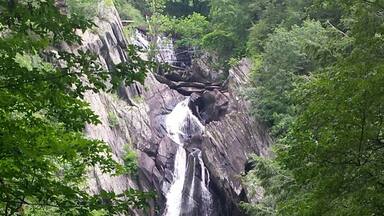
[[335, 28]]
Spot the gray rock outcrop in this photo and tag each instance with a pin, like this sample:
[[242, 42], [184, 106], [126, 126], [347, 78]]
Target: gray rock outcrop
[[230, 137]]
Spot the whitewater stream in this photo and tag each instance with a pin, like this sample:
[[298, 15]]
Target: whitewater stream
[[188, 193]]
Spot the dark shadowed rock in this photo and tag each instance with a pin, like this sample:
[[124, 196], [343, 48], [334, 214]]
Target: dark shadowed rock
[[230, 135], [209, 105]]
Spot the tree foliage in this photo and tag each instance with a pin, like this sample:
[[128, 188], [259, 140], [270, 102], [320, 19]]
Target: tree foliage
[[189, 30], [43, 153], [182, 8], [331, 146], [218, 27], [289, 57], [127, 11], [317, 83]]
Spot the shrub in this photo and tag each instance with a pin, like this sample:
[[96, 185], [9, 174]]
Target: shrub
[[88, 8], [130, 160], [112, 119], [128, 12]]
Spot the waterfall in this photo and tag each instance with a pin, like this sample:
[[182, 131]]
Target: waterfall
[[192, 163], [205, 198], [166, 51], [174, 195], [186, 196]]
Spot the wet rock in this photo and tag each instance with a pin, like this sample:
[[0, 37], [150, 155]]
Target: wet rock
[[210, 105], [230, 135]]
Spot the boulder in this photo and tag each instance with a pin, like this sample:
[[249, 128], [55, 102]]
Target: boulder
[[209, 106]]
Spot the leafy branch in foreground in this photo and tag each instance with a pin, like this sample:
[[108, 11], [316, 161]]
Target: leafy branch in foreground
[[43, 153]]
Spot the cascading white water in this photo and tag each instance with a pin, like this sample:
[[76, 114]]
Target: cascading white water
[[192, 187], [205, 194], [165, 50], [206, 198], [175, 195], [180, 125]]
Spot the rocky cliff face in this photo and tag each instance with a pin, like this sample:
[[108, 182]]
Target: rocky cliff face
[[136, 119]]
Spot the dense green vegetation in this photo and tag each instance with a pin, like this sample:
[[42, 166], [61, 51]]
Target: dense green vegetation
[[44, 155], [91, 8], [317, 82], [319, 90]]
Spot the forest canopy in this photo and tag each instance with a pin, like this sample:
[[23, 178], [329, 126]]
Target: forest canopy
[[317, 82]]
